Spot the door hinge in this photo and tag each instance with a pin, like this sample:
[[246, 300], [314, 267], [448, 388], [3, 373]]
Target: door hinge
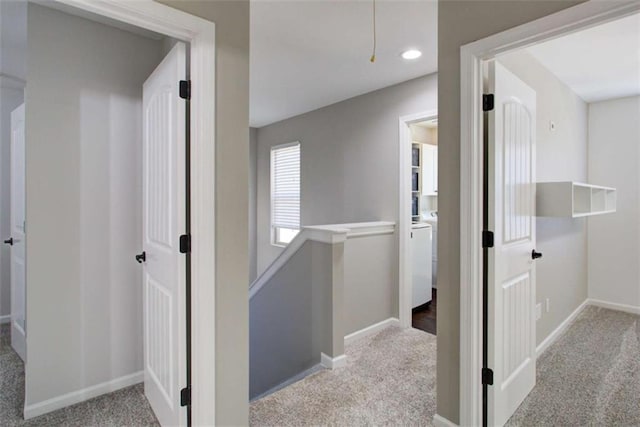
[[487, 376], [487, 239], [185, 396], [185, 89], [185, 244], [487, 102]]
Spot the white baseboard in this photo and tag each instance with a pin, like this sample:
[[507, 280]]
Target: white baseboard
[[439, 421], [333, 362], [589, 301], [370, 330], [5, 319], [560, 329], [74, 397], [294, 379], [633, 309]]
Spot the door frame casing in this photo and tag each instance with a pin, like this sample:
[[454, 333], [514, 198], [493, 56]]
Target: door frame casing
[[200, 34], [404, 212], [472, 56]]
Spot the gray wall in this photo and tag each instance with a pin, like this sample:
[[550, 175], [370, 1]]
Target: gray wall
[[83, 201], [461, 22], [232, 154], [291, 318], [370, 281], [321, 294], [561, 155], [13, 38], [349, 159], [614, 239]]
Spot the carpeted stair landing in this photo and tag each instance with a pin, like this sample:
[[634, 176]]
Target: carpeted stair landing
[[390, 379]]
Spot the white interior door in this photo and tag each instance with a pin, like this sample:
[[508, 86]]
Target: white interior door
[[163, 223], [17, 238], [512, 284]]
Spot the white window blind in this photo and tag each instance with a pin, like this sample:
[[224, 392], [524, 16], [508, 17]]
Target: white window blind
[[285, 186]]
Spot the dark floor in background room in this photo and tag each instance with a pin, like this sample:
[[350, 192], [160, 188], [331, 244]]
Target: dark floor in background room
[[424, 316], [126, 407]]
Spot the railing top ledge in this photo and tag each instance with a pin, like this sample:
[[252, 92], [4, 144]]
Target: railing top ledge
[[330, 233]]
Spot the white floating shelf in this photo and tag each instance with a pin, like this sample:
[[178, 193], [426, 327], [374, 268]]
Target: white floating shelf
[[573, 199]]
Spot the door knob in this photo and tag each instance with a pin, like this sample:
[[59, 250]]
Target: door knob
[[141, 257], [9, 241], [535, 255]]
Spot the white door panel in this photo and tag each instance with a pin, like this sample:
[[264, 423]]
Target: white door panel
[[511, 132], [163, 223], [18, 264], [421, 260]]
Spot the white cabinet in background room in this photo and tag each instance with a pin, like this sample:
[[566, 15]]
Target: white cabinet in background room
[[429, 170], [421, 259]]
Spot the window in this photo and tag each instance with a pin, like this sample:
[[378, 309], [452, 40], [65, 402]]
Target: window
[[285, 193]]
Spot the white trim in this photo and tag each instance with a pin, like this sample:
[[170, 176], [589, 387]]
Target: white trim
[[203, 226], [370, 330], [633, 309], [200, 33], [333, 362], [323, 236], [331, 234], [440, 421], [472, 55], [74, 397], [557, 332], [5, 319], [294, 379], [358, 229], [404, 212]]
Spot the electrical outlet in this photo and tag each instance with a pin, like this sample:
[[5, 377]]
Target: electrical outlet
[[548, 305], [538, 311]]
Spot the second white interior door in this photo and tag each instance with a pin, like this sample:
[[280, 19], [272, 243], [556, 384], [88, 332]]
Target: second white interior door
[[17, 239], [164, 127], [512, 279]]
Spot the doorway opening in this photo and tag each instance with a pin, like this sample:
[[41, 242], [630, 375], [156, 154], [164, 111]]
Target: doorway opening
[[106, 169], [330, 299], [517, 127], [418, 254], [424, 227]]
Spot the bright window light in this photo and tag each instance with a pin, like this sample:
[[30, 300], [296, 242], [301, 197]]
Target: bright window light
[[285, 193]]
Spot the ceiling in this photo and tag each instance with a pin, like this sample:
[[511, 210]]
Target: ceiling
[[309, 54], [599, 63]]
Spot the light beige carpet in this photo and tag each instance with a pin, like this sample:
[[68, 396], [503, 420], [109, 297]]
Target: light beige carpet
[[590, 376], [126, 407], [390, 379]]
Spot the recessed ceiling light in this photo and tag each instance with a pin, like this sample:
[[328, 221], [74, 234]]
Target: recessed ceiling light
[[411, 54]]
